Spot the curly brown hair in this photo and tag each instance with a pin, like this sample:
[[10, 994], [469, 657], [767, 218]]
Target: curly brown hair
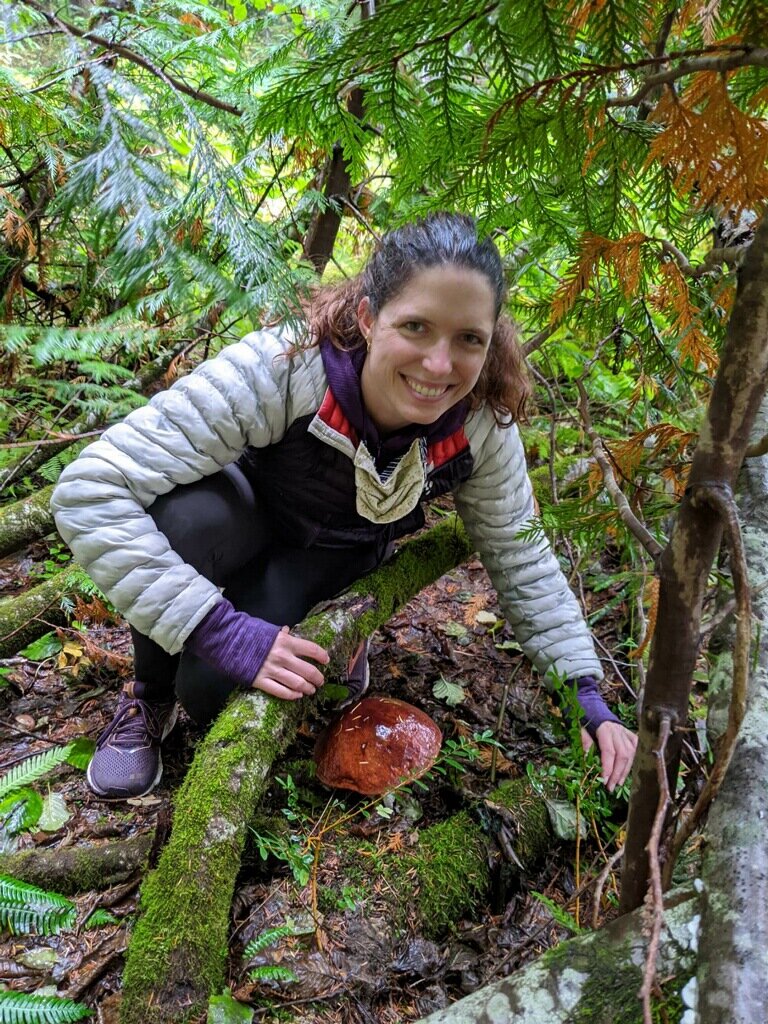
[[438, 240]]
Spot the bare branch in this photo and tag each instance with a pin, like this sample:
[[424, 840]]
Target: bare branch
[[634, 525]]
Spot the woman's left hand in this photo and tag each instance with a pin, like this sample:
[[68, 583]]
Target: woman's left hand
[[617, 747]]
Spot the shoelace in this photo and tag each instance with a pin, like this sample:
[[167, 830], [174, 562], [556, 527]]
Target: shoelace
[[133, 719]]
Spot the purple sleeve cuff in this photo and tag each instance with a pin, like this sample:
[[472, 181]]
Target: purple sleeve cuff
[[233, 642], [595, 709]]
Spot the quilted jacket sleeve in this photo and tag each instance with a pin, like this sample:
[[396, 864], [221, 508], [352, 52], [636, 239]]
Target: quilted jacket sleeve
[[244, 396], [495, 503]]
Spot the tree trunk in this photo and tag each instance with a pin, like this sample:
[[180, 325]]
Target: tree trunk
[[592, 979], [733, 958], [178, 950], [25, 520], [686, 561]]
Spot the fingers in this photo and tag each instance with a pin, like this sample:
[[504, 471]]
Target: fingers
[[286, 673], [617, 752]]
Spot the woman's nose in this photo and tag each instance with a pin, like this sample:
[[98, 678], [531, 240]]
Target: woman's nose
[[438, 359]]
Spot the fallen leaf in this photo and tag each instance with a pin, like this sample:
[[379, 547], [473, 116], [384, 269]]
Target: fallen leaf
[[54, 813]]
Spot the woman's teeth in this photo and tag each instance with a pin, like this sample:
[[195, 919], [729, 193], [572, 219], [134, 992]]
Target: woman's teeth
[[422, 389]]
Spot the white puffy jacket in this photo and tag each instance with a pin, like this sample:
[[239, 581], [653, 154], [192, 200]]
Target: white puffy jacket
[[249, 395]]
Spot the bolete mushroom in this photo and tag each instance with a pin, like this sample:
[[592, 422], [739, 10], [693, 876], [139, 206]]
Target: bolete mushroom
[[376, 744]]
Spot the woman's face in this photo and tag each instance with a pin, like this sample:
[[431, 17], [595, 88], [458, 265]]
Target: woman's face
[[427, 345]]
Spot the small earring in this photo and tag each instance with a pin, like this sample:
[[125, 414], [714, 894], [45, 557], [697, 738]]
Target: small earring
[[367, 341]]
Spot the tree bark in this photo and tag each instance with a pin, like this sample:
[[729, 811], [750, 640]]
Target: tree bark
[[178, 950], [25, 521], [685, 563], [732, 976], [593, 978]]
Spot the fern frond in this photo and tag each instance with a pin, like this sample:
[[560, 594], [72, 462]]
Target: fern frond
[[26, 908], [266, 939], [20, 1008], [272, 972], [33, 768]]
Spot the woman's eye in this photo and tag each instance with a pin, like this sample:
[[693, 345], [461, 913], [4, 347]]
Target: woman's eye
[[414, 326], [472, 339]]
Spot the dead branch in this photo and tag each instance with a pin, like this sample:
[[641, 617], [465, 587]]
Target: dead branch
[[629, 518], [655, 899], [602, 878], [722, 499]]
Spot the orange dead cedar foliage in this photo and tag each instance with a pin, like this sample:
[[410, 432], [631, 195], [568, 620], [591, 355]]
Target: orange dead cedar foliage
[[718, 153], [628, 455], [701, 12], [620, 257], [673, 297], [580, 11], [194, 22]]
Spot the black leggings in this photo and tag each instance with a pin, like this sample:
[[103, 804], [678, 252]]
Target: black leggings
[[220, 527]]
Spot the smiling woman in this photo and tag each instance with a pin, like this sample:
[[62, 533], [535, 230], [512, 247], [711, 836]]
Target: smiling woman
[[285, 468], [426, 346]]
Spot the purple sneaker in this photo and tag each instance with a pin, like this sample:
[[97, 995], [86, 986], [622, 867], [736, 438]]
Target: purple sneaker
[[127, 760], [357, 676]]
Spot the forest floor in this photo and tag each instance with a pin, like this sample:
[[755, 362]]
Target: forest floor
[[353, 966]]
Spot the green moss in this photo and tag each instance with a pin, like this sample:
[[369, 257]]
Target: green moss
[[447, 872], [533, 834], [610, 992], [179, 945]]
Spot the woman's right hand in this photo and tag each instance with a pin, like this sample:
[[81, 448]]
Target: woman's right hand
[[286, 672]]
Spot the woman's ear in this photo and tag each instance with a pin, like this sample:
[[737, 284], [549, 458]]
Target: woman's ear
[[365, 316]]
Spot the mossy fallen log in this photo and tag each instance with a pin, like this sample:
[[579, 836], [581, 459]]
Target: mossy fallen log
[[593, 978], [177, 954], [25, 617], [76, 869], [25, 520]]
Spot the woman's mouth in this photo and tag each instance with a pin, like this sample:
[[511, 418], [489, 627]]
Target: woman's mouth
[[426, 390]]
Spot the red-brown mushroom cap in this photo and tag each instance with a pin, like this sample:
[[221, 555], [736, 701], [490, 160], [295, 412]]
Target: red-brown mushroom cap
[[375, 745]]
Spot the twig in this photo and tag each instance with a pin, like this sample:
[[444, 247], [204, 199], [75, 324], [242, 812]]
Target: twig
[[654, 897], [637, 528], [52, 440], [602, 878], [721, 499]]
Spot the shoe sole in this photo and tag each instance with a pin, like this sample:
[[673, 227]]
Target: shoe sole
[[105, 794]]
